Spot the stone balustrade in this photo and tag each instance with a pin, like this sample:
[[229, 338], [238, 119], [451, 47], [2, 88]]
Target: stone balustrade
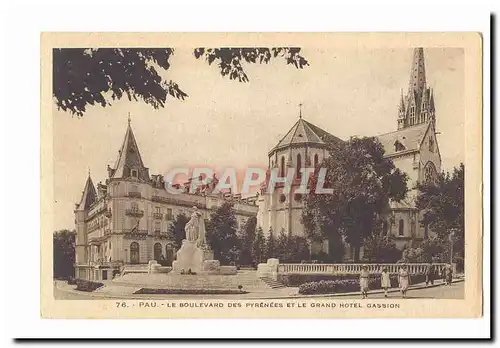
[[352, 268]]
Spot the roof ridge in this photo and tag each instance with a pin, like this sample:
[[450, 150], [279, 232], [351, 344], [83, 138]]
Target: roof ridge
[[405, 128]]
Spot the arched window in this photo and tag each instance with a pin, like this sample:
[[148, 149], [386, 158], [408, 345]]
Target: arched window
[[282, 174], [412, 116], [134, 252], [316, 160], [299, 165], [157, 251], [401, 227], [430, 173]]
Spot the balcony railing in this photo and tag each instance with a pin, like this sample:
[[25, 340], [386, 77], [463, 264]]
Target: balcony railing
[[158, 199], [135, 234], [158, 215], [134, 194], [160, 235], [134, 212], [352, 268]]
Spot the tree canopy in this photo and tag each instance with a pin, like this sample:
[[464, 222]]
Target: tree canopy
[[176, 229], [363, 183], [443, 201], [221, 234], [443, 205], [64, 253], [99, 76]]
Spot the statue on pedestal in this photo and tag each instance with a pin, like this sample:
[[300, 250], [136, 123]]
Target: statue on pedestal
[[192, 227]]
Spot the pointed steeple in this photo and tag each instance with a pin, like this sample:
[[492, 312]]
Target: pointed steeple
[[431, 102], [417, 74], [401, 106], [88, 196], [417, 106], [129, 162]]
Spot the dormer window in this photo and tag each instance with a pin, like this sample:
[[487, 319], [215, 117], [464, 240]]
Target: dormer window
[[398, 146], [134, 173]]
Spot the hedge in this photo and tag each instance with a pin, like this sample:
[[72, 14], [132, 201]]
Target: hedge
[[350, 284], [87, 285], [149, 291]]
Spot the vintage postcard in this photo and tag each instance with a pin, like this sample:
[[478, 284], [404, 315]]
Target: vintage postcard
[[261, 175]]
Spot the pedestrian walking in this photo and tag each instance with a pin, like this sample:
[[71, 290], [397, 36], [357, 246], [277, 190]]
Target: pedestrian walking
[[404, 280], [448, 274], [385, 281], [363, 281], [429, 274]]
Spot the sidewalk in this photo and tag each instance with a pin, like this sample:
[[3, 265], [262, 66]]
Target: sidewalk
[[127, 292]]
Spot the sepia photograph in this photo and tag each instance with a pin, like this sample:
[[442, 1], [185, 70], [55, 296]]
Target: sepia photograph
[[338, 172]]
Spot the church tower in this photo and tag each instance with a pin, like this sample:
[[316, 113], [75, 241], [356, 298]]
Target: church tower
[[417, 106]]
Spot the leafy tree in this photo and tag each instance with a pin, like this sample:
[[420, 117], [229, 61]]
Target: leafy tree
[[380, 248], [221, 234], [282, 251], [430, 249], [443, 205], [247, 237], [258, 247], [363, 183], [299, 249], [64, 253], [176, 229], [89, 76], [270, 251]]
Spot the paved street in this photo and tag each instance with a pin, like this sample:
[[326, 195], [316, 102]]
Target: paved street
[[455, 291]]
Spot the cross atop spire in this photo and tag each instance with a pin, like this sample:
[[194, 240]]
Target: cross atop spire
[[89, 171], [129, 118], [300, 110]]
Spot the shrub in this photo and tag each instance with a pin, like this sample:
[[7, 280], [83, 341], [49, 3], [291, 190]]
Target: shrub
[[350, 283], [87, 285], [149, 291]]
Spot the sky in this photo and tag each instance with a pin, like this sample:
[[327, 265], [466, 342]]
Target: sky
[[224, 123]]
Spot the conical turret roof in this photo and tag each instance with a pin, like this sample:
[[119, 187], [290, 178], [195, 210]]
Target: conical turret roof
[[129, 158], [88, 196]]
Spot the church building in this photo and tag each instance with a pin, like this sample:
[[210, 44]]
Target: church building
[[413, 148]]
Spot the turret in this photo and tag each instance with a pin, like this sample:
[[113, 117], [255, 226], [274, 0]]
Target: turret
[[81, 211]]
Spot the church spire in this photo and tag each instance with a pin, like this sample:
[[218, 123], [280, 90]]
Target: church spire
[[417, 106], [417, 74]]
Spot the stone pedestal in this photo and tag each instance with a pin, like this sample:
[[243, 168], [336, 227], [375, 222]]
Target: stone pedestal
[[189, 257]]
